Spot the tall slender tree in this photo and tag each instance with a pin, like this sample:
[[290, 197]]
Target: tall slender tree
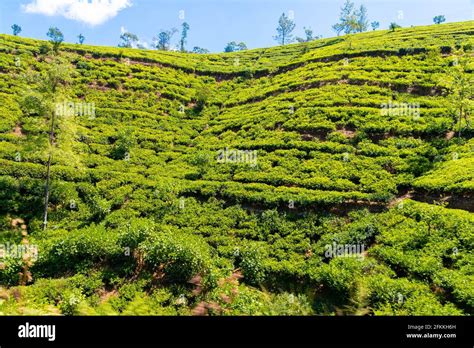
[[184, 36], [57, 75], [347, 19], [285, 29], [361, 19]]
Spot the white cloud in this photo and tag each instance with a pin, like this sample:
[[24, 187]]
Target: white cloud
[[92, 12], [123, 30]]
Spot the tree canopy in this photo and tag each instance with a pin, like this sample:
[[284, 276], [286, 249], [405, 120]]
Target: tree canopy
[[128, 40], [234, 47], [56, 37], [16, 29], [285, 29]]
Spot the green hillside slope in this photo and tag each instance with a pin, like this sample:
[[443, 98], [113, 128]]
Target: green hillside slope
[[216, 184]]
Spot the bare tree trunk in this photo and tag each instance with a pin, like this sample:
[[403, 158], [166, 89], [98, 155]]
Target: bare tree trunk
[[48, 174]]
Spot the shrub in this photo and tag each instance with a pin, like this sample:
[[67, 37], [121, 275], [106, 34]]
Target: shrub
[[177, 255], [71, 299], [9, 272], [251, 261], [135, 232], [403, 297], [33, 104], [123, 144], [77, 250], [459, 285], [44, 48], [340, 276], [83, 65]]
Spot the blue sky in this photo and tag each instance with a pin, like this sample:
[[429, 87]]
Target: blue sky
[[213, 22]]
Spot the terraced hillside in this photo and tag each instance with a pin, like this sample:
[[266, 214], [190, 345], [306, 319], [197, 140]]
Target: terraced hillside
[[229, 183]]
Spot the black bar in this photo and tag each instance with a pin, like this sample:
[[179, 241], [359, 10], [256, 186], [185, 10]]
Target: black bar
[[242, 331]]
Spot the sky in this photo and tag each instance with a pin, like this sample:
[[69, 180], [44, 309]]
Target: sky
[[213, 23]]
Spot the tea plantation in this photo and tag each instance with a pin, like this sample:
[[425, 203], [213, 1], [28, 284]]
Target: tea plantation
[[332, 177]]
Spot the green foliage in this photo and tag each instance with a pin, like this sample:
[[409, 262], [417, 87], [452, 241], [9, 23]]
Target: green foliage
[[123, 144], [460, 287], [128, 40], [402, 297], [285, 29], [140, 205], [79, 250], [235, 47], [16, 29], [177, 255], [251, 302], [200, 50], [163, 39], [184, 34], [70, 302], [11, 268], [351, 20], [340, 276], [56, 37], [135, 232], [394, 26], [32, 104], [439, 19], [44, 49], [250, 259]]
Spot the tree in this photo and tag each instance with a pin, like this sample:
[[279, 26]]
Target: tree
[[81, 38], [439, 19], [361, 19], [200, 50], [285, 29], [184, 35], [16, 29], [309, 36], [393, 26], [459, 84], [164, 39], [128, 40], [234, 47], [347, 19], [56, 37], [375, 25], [338, 27], [50, 84]]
